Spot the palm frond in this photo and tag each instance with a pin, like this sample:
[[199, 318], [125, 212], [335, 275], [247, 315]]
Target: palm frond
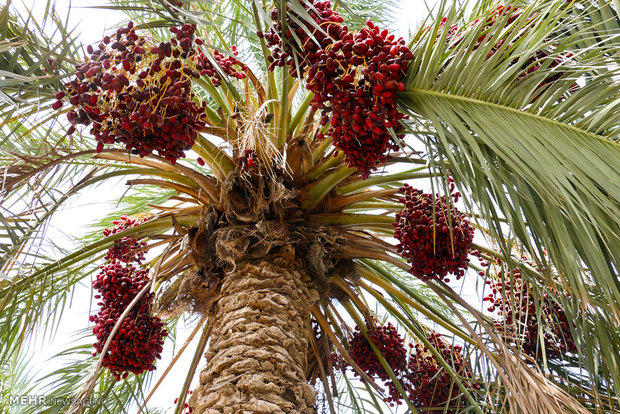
[[33, 62], [541, 155], [110, 396], [16, 379], [355, 13]]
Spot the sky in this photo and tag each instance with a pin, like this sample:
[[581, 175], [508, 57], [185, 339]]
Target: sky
[[91, 23], [80, 212]]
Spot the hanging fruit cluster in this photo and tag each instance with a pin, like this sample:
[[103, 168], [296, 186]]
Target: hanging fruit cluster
[[138, 93], [518, 312], [428, 382], [355, 77], [390, 344], [434, 236], [507, 15], [247, 160], [140, 337], [126, 249]]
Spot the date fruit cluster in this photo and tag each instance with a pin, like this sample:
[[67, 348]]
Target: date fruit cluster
[[426, 383], [303, 42], [389, 342], [517, 311], [430, 385], [140, 337], [247, 160], [127, 249], [434, 236], [133, 91], [355, 78], [502, 17]]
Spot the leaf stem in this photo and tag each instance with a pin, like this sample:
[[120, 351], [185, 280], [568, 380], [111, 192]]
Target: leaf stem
[[324, 166], [301, 111], [190, 375], [219, 162], [364, 220], [384, 179], [79, 408], [283, 113], [315, 192], [422, 307]]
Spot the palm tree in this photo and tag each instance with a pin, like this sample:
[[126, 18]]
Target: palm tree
[[276, 232]]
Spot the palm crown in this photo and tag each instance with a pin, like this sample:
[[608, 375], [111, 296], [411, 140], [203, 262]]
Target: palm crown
[[269, 183]]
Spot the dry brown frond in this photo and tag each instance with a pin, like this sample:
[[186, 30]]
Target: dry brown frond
[[255, 135], [527, 389]]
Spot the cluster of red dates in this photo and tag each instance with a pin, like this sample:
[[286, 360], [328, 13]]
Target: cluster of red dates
[[500, 19], [355, 77], [529, 323], [434, 236], [133, 91], [426, 382], [140, 337]]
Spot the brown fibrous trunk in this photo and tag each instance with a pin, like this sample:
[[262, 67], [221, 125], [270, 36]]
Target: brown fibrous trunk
[[256, 357]]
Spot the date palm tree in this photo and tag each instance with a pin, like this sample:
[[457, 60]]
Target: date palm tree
[[276, 235]]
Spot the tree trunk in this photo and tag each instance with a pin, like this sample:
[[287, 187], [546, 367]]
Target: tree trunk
[[256, 359]]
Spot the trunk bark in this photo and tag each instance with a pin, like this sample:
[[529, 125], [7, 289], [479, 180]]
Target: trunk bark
[[256, 358]]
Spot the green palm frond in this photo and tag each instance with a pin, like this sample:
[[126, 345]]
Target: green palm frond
[[16, 380], [32, 283], [110, 396], [544, 158], [380, 11], [33, 63]]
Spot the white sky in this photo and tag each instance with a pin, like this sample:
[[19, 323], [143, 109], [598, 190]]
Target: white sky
[[91, 23]]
